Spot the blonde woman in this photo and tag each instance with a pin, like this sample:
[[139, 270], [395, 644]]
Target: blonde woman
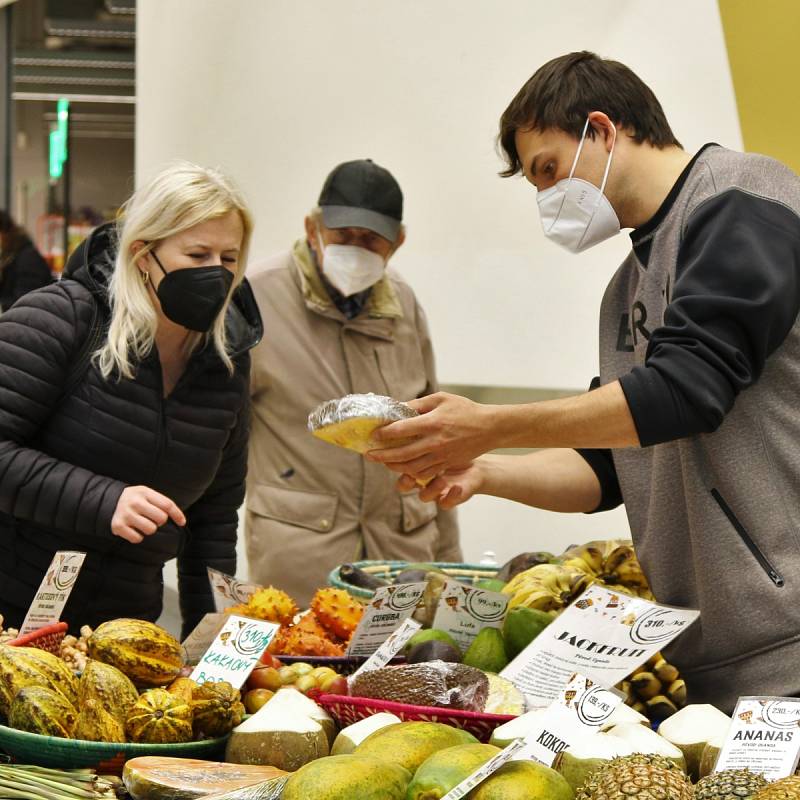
[[142, 457]]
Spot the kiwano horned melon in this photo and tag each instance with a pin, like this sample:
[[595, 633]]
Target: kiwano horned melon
[[29, 666], [109, 687], [217, 709], [39, 710], [159, 718], [144, 652], [95, 724], [350, 777]]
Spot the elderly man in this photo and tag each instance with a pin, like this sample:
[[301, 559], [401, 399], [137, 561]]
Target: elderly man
[[336, 322]]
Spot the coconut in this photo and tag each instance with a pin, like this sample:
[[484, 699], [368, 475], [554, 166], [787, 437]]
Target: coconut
[[581, 759], [691, 729], [624, 713], [351, 737], [280, 739], [293, 702], [708, 760], [516, 728]]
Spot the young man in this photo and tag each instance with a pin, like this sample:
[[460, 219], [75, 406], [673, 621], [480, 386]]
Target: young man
[[695, 422], [336, 322]]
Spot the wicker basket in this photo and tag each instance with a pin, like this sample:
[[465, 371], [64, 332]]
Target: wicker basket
[[48, 638], [347, 710], [466, 573], [50, 751]]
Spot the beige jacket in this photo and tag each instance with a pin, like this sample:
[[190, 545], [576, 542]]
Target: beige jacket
[[311, 505]]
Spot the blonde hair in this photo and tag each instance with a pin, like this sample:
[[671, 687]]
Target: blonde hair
[[178, 198]]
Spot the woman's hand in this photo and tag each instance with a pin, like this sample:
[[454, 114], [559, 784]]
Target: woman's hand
[[141, 511], [453, 487]]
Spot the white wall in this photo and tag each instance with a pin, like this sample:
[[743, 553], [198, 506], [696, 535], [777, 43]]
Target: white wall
[[278, 92]]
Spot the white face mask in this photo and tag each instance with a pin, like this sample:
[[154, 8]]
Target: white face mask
[[575, 213], [349, 268]]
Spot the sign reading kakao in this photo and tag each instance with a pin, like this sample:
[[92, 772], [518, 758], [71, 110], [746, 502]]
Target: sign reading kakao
[[54, 591], [229, 591], [385, 613], [464, 610], [602, 635], [581, 708], [235, 651], [764, 737]]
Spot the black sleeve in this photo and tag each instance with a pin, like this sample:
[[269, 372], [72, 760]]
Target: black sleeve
[[735, 299], [31, 273], [38, 338], [213, 523], [602, 462]]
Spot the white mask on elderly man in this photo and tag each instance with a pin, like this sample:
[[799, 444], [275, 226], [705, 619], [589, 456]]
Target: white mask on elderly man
[[349, 268], [575, 213]]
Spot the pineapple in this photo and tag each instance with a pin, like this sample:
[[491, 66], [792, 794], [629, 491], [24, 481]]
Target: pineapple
[[786, 789], [637, 777], [731, 784]]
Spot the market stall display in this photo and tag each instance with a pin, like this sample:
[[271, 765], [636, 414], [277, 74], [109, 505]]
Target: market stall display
[[120, 696]]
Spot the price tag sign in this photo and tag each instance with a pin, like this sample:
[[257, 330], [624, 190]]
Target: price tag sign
[[235, 651], [390, 648], [54, 591], [388, 609], [488, 769], [228, 591], [602, 635], [580, 709], [202, 637], [464, 610], [764, 737]]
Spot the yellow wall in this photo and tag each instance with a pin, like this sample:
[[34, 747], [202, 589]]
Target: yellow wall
[[763, 41]]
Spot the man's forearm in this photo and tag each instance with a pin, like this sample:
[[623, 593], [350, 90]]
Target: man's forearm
[[597, 419], [555, 480]]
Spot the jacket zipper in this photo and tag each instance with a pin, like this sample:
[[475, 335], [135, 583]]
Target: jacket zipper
[[759, 556]]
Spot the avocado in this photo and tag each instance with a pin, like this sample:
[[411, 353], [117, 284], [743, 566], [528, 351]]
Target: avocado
[[433, 650], [487, 652], [428, 635], [521, 626]]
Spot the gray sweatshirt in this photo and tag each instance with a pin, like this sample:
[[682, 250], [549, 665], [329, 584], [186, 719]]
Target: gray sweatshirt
[[700, 325]]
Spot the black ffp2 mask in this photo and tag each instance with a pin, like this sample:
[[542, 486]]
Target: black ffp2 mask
[[194, 296]]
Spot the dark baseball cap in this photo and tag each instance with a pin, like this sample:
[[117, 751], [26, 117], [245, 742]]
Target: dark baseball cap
[[360, 194]]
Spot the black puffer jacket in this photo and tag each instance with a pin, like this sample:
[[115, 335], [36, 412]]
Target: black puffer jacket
[[26, 271], [64, 461]]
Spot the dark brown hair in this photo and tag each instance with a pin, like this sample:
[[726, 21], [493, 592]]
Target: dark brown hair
[[563, 92], [16, 238]]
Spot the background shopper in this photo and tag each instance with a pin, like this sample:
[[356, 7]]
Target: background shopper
[[339, 322], [22, 267]]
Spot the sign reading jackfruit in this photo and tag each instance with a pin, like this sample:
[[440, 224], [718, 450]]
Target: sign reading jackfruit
[[764, 737], [229, 591], [54, 591], [581, 708], [235, 651], [389, 608], [464, 611], [602, 635]]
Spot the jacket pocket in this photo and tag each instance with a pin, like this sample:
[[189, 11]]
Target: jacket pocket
[[416, 513], [754, 549], [315, 511]]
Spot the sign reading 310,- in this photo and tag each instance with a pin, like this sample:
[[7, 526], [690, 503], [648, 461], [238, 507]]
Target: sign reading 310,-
[[236, 650]]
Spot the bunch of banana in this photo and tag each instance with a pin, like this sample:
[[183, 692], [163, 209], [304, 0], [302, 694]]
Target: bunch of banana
[[655, 689], [547, 587], [613, 563]]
